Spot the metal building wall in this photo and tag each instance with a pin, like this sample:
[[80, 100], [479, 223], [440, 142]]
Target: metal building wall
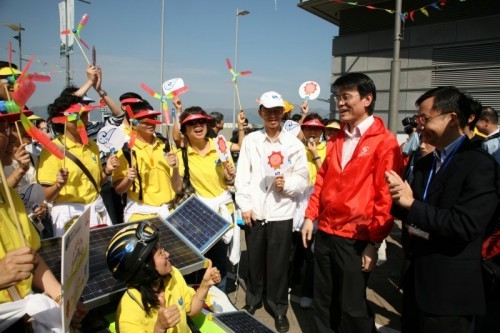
[[464, 53]]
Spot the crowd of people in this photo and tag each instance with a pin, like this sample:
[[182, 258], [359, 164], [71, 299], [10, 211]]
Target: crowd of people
[[326, 195]]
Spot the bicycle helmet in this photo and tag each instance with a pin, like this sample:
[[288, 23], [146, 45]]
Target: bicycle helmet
[[128, 255]]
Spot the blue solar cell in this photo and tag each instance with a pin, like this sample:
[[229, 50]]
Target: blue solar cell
[[201, 225], [101, 284], [240, 322]]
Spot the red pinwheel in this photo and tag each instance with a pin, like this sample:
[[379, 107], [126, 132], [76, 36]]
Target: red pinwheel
[[39, 136], [74, 113], [133, 122]]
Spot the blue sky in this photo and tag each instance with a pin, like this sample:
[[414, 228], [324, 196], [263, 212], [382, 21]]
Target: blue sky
[[283, 47]]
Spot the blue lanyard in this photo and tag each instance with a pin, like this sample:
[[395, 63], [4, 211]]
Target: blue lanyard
[[443, 167]]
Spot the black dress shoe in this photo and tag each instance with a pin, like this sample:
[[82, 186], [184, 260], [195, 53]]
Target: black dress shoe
[[281, 323], [251, 309]]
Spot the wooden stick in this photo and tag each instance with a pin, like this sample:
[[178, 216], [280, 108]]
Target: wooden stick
[[19, 132], [7, 93], [237, 94], [81, 48], [11, 205], [64, 151]]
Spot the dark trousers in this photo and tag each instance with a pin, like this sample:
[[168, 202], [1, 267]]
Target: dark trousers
[[308, 283], [268, 247], [414, 320], [340, 303]]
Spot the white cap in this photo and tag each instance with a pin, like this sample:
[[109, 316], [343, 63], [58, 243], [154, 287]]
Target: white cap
[[271, 99]]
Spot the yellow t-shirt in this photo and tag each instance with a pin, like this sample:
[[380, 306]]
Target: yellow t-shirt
[[9, 237], [206, 172], [154, 171], [131, 317], [311, 165], [78, 188]]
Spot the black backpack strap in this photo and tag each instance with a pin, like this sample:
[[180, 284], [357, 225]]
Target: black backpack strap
[[138, 175], [186, 167], [80, 165]]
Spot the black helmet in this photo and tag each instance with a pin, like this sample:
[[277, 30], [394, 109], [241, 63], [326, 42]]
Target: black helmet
[[128, 253]]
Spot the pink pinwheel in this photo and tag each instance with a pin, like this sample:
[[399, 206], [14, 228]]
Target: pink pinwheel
[[234, 76], [164, 99], [233, 73], [76, 32], [78, 29], [15, 76]]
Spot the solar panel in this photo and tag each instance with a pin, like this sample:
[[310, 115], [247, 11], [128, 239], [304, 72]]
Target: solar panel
[[201, 225], [101, 284], [241, 322]]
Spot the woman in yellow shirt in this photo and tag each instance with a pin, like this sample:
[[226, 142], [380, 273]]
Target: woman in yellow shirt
[[144, 174], [157, 296], [209, 176], [65, 183]]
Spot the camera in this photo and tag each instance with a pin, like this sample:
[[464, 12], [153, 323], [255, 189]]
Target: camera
[[409, 124]]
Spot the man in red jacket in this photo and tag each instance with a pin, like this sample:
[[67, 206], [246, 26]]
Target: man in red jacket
[[351, 204]]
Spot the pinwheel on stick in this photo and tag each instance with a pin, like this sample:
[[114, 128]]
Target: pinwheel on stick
[[234, 78], [164, 98], [76, 33], [74, 113]]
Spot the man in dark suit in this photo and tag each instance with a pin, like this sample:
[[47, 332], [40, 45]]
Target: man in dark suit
[[445, 212]]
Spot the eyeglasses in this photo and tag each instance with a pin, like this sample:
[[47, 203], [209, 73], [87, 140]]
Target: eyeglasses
[[196, 122], [344, 97], [422, 120]]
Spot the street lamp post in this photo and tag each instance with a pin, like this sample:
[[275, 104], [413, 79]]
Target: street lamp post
[[19, 29], [395, 72], [238, 14]]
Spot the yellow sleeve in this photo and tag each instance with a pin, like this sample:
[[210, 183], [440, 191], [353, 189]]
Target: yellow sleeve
[[48, 166], [121, 172]]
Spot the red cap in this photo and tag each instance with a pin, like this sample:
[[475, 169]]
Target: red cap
[[313, 123], [77, 108], [14, 116], [146, 113], [194, 116], [131, 101]]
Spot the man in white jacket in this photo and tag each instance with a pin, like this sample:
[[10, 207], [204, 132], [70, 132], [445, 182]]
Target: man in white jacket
[[272, 172]]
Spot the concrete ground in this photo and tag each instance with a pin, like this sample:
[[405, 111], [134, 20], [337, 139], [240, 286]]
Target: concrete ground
[[384, 298]]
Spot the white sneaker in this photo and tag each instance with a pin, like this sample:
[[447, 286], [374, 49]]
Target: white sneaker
[[306, 303]]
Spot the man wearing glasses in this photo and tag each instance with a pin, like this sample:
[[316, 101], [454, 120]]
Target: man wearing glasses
[[445, 212], [351, 203]]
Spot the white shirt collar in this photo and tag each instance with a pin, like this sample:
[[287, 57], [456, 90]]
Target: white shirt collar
[[361, 129], [495, 132]]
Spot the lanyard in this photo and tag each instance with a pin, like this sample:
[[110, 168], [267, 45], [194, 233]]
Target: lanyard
[[443, 167]]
